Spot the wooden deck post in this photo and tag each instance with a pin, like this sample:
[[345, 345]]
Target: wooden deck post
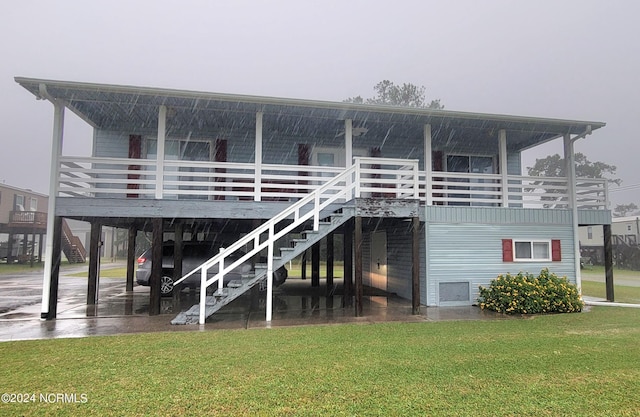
[[330, 259], [94, 263], [33, 249], [131, 257], [303, 265], [10, 248], [359, 290], [415, 267], [608, 261], [40, 240], [56, 254], [315, 265], [177, 264], [348, 264], [156, 268]]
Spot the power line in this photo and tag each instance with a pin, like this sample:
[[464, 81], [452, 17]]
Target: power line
[[625, 188]]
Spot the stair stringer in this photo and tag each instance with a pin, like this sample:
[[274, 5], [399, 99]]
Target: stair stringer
[[235, 289]]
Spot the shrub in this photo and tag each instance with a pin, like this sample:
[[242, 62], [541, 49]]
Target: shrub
[[525, 293]]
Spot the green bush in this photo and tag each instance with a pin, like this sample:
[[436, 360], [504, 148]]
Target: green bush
[[527, 294]]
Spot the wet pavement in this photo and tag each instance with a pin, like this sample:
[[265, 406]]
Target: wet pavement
[[295, 303]]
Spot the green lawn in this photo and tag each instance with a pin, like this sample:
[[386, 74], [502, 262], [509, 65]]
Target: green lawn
[[598, 271], [120, 272], [557, 365], [622, 293], [295, 269]]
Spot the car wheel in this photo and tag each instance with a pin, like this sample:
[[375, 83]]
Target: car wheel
[[166, 285]]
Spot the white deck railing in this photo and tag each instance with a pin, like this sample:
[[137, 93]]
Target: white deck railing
[[346, 185], [376, 177]]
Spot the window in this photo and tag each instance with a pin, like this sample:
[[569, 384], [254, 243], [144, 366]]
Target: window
[[589, 232], [33, 204], [531, 250], [628, 228], [18, 203]]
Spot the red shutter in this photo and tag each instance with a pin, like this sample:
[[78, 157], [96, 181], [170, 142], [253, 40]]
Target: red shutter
[[436, 161], [507, 250], [135, 150], [220, 156], [556, 252]]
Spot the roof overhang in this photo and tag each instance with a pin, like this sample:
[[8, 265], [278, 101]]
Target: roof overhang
[[135, 109]]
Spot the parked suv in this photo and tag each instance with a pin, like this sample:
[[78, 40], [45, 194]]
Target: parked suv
[[194, 254]]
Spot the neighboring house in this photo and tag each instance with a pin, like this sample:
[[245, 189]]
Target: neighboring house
[[431, 203], [23, 220], [23, 223], [625, 240], [110, 245]]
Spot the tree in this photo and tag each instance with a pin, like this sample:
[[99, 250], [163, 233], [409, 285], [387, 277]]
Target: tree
[[622, 210], [554, 166], [407, 95]]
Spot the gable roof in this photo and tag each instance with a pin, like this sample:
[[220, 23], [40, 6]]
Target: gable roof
[[135, 109]]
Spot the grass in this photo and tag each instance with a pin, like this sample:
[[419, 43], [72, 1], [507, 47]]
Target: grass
[[295, 269], [621, 293], [557, 365], [593, 284], [120, 272], [597, 271]]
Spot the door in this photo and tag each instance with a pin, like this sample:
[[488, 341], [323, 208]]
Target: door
[[378, 265], [194, 151], [470, 164]]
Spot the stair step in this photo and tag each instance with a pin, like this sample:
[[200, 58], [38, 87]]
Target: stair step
[[237, 287]]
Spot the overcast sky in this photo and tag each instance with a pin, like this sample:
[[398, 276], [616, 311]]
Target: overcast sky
[[576, 59]]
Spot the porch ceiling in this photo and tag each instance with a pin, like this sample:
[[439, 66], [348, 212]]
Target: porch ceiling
[[135, 110]]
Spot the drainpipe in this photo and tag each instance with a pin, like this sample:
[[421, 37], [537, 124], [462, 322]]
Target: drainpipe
[[570, 169], [56, 150]]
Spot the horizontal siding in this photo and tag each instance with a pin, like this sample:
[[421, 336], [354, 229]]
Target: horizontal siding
[[366, 258], [514, 163], [399, 262], [109, 144], [594, 217], [496, 215], [473, 253]]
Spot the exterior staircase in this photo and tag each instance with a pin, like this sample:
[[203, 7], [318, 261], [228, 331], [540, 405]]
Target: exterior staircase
[[234, 289], [317, 214], [72, 246]]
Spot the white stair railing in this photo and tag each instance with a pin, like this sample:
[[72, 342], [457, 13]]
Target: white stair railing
[[342, 187]]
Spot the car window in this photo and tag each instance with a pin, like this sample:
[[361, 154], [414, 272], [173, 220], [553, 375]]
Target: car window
[[167, 250]]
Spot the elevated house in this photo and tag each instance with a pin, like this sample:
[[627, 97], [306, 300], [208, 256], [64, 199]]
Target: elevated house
[[21, 220], [23, 225], [625, 242], [431, 203]]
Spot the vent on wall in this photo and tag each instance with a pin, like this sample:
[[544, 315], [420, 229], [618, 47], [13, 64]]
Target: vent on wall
[[453, 292]]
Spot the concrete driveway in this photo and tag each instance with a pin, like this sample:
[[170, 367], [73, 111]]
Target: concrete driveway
[[296, 303]]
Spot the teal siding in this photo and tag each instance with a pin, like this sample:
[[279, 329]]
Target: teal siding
[[514, 164], [473, 253], [594, 217], [496, 215], [399, 262], [109, 144]]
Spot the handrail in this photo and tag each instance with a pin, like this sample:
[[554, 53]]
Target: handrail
[[345, 185]]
